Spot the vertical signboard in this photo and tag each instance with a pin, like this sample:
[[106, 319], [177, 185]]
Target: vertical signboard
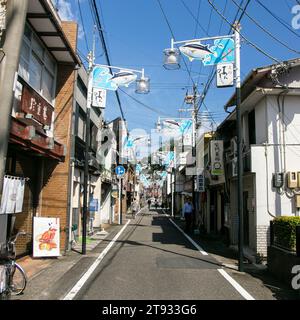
[[46, 237], [225, 75], [99, 98], [216, 155]]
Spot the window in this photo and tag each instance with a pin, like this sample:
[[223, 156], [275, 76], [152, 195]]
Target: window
[[251, 127], [81, 127], [82, 87], [37, 67]]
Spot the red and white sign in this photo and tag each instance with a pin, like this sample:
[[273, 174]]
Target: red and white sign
[[46, 237]]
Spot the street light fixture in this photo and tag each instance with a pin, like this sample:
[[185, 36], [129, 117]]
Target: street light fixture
[[124, 77], [194, 49]]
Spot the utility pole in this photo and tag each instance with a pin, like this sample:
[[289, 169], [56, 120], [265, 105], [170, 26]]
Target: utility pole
[[85, 209], [239, 144], [194, 116]]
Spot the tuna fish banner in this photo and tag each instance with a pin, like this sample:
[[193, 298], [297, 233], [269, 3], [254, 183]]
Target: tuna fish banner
[[103, 79], [223, 50]]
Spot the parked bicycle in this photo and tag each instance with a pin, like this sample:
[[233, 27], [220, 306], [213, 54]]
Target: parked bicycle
[[13, 279]]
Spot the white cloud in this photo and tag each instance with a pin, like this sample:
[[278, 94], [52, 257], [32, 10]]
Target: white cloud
[[65, 10]]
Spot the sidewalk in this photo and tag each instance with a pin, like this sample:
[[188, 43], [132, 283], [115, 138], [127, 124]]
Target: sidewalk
[[44, 274], [228, 258]]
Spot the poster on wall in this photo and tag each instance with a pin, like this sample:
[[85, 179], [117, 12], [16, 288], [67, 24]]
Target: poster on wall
[[46, 237]]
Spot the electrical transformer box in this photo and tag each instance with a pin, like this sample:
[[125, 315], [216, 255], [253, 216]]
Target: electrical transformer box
[[292, 181]]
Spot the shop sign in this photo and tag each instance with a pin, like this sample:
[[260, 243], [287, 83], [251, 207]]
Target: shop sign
[[32, 103], [216, 154], [46, 237]]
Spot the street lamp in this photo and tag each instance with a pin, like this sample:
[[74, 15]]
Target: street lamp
[[195, 50], [122, 78], [126, 76]]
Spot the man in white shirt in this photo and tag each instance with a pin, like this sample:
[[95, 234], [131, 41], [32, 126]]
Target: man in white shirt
[[188, 214]]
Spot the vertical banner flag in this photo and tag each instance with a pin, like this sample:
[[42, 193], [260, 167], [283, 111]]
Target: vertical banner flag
[[216, 155]]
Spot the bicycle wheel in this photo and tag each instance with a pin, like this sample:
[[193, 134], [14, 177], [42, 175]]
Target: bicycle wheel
[[19, 281]]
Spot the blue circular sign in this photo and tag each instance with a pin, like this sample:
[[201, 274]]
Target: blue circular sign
[[120, 170]]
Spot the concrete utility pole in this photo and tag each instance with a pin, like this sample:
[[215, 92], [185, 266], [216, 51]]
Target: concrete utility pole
[[194, 116], [239, 144], [11, 42]]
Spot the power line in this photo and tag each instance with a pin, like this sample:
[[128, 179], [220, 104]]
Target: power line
[[83, 27], [266, 31], [173, 36], [214, 72], [246, 39], [100, 30], [145, 105], [281, 21]]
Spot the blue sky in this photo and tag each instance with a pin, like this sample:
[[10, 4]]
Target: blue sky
[[136, 33]]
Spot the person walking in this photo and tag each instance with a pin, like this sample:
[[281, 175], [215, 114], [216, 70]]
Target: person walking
[[188, 214], [149, 204], [135, 207]]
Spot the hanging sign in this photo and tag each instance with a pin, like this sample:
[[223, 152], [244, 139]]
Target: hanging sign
[[102, 79], [99, 98], [46, 237], [216, 154], [223, 50], [225, 75]]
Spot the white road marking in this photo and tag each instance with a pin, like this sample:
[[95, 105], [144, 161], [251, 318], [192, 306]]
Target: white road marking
[[73, 292], [189, 238], [237, 287]]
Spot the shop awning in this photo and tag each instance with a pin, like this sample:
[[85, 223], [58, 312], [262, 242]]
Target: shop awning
[[44, 19]]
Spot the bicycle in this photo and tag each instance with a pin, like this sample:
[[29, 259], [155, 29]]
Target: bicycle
[[13, 279]]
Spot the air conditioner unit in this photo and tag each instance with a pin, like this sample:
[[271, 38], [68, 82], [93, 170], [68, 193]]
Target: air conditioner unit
[[233, 146], [234, 167]]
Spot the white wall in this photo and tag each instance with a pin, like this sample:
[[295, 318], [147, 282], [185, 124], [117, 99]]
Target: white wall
[[279, 204]]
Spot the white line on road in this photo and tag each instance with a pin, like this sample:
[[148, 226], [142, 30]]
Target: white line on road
[[238, 287], [73, 292], [189, 238]]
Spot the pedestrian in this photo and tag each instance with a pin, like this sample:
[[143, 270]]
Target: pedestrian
[[149, 204], [134, 209], [188, 214], [156, 204]]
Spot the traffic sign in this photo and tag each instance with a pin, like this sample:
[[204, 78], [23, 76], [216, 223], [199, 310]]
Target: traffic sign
[[120, 171]]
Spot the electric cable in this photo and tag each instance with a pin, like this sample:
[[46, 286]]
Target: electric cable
[[267, 31], [277, 18]]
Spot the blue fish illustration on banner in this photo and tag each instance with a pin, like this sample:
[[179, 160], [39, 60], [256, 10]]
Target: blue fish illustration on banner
[[169, 161], [102, 79], [185, 126], [223, 51]]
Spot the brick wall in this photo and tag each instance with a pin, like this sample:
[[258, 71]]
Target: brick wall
[[55, 192]]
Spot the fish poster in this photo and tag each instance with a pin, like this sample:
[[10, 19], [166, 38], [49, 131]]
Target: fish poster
[[46, 238]]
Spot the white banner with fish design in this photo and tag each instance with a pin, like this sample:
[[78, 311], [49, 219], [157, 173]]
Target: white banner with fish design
[[46, 237], [103, 79]]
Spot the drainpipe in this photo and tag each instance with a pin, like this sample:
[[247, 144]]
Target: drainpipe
[[68, 245]]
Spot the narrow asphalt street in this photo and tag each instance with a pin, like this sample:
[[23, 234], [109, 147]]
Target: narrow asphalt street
[[152, 259]]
